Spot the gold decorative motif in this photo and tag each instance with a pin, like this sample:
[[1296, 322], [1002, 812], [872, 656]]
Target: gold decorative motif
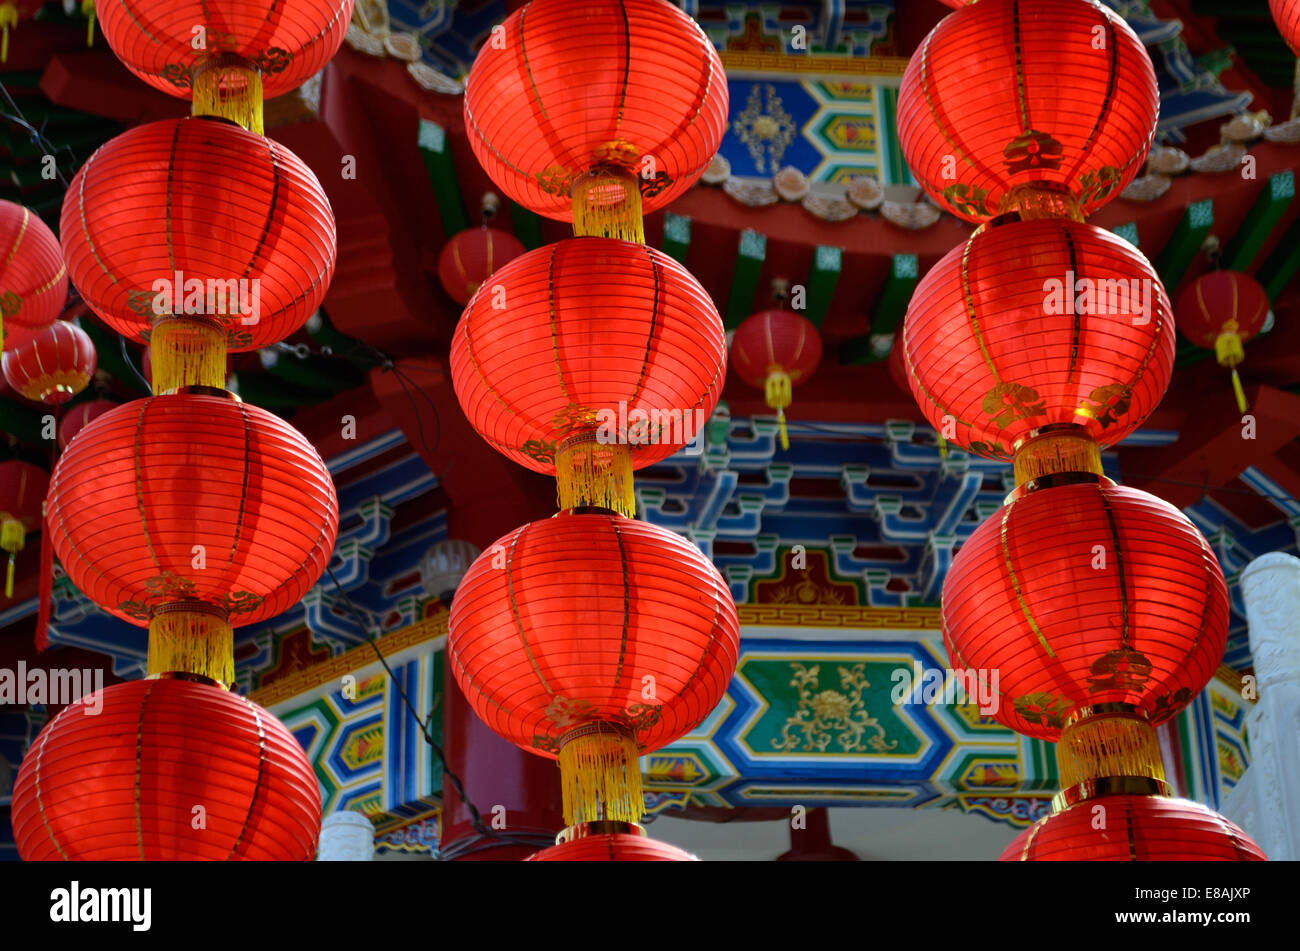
[[1031, 150], [967, 199], [824, 716], [10, 303], [1106, 404], [1098, 186], [1169, 704], [1007, 402], [241, 602], [556, 180], [564, 712], [766, 132], [806, 592], [540, 449], [1122, 669], [1042, 709]]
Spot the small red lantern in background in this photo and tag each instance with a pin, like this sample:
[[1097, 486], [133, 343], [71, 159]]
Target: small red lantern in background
[[774, 350], [612, 847], [23, 487], [1286, 14], [470, 256], [52, 365], [1138, 828], [1016, 104], [1221, 310], [116, 777], [76, 418], [33, 277]]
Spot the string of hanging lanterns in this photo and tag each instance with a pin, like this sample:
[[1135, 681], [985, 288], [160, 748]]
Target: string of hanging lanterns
[[1101, 610], [190, 512], [592, 638]]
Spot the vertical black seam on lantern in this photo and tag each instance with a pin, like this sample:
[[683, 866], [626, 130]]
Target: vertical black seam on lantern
[[1072, 253], [555, 336], [514, 610], [271, 207], [261, 771], [1119, 566], [171, 180], [1132, 840], [657, 286], [1111, 81], [627, 605], [1206, 556], [139, 766], [139, 481], [627, 65], [1020, 67], [243, 491], [969, 302]]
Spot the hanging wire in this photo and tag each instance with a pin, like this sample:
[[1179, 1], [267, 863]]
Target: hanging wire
[[36, 136]]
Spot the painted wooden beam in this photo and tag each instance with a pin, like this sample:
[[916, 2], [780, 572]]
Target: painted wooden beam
[[886, 314], [442, 176], [751, 251], [822, 279], [1263, 216], [1280, 266], [1183, 244], [677, 236], [527, 226]]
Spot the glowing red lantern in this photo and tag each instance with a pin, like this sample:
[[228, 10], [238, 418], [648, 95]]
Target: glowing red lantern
[[1286, 14], [117, 776], [1083, 595], [586, 359], [52, 365], [612, 847], [597, 110], [225, 54], [1137, 829], [774, 350], [22, 493], [591, 638], [219, 237], [76, 418], [1046, 106], [193, 514], [1039, 325], [1221, 310], [33, 279], [471, 255]]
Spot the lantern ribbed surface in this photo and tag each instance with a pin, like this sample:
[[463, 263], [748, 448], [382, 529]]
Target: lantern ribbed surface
[[33, 278], [237, 215], [122, 783], [616, 847], [571, 330], [775, 340], [1054, 95], [289, 42], [573, 85], [52, 364], [471, 255], [996, 345], [1086, 594], [1286, 14], [1137, 829], [144, 484], [562, 621], [1210, 303]]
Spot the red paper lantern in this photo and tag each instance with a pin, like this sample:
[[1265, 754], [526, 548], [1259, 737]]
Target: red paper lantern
[[586, 349], [76, 419], [286, 42], [1045, 105], [22, 493], [1137, 829], [117, 776], [234, 225], [1286, 14], [471, 255], [1220, 311], [775, 350], [52, 365], [569, 87], [616, 847], [154, 487], [997, 347], [33, 279], [560, 621], [1086, 594]]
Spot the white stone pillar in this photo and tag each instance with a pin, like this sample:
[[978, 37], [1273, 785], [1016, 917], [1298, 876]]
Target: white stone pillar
[[346, 837], [1266, 803]]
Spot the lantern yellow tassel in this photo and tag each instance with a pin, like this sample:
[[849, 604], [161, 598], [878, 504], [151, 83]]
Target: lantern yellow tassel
[[588, 472], [1108, 741], [777, 390], [1242, 405], [229, 87], [1228, 349], [601, 775], [88, 11], [8, 20], [12, 536], [1033, 202], [1054, 451], [607, 204], [192, 637], [187, 351]]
